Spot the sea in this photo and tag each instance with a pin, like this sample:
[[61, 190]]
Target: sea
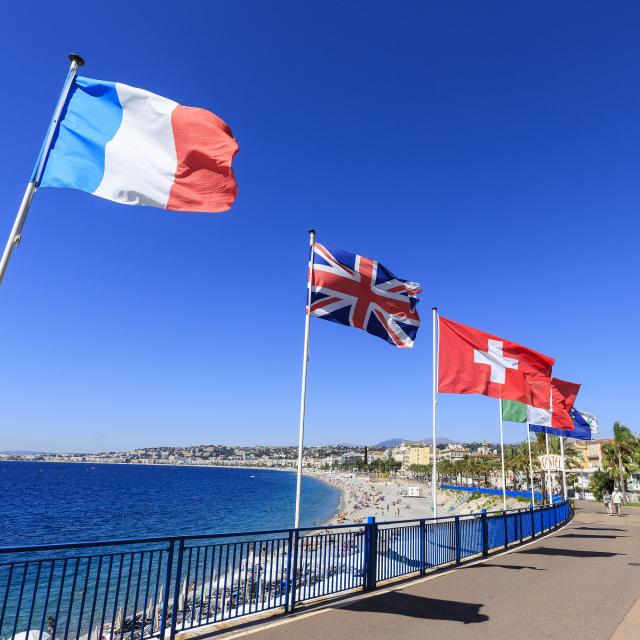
[[51, 503]]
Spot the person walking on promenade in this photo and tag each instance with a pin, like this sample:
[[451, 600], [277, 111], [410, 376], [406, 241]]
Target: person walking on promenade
[[617, 501], [607, 501]]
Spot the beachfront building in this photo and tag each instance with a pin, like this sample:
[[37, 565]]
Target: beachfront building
[[484, 449], [376, 454], [396, 453], [420, 454], [351, 457], [590, 452], [454, 452]]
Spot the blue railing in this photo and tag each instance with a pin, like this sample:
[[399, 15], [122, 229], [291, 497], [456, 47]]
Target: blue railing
[[510, 493], [157, 587]]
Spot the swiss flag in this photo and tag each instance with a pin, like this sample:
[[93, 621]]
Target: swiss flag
[[472, 361]]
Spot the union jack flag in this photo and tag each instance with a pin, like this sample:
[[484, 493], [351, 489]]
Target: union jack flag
[[360, 292]]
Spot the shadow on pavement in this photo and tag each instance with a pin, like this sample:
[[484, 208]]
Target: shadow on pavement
[[406, 604], [588, 535], [574, 553], [598, 529], [517, 567]]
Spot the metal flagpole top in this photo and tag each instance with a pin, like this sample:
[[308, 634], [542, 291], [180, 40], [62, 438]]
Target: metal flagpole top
[[79, 60]]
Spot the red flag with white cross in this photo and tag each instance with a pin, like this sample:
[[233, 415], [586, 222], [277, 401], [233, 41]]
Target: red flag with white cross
[[473, 361]]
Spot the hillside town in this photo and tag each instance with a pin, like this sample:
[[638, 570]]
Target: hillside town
[[398, 456]]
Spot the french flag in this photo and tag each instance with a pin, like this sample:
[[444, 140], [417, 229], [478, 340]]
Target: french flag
[[135, 147]]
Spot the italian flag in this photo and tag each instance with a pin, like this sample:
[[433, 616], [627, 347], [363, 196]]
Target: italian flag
[[563, 397]]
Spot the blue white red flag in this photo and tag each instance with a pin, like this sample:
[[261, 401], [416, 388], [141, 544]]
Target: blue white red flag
[[581, 428], [360, 292], [135, 147]]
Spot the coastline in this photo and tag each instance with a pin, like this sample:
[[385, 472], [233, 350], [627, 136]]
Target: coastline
[[361, 496], [160, 464], [392, 499]]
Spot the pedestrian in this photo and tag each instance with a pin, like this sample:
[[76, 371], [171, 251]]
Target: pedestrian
[[607, 501], [616, 498]]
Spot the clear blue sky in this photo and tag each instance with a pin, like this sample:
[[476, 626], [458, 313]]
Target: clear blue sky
[[490, 151]]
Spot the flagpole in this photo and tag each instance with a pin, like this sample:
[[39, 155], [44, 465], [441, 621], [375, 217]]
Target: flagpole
[[16, 231], [564, 473], [533, 495], [504, 476], [434, 473], [303, 391], [546, 438]]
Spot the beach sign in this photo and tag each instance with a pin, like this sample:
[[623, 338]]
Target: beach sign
[[551, 462]]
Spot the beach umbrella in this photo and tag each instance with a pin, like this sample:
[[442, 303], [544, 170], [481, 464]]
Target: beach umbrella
[[32, 635], [159, 606], [183, 596]]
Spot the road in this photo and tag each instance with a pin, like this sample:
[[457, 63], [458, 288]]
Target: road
[[581, 583]]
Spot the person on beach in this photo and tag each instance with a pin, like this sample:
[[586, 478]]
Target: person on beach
[[607, 501]]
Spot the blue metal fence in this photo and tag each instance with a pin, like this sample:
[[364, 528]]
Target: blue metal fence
[[157, 587]]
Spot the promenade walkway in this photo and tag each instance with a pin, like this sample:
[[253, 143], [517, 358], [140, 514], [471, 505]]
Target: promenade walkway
[[581, 583]]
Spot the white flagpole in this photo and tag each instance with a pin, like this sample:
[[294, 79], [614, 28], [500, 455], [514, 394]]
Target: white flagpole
[[546, 439], [303, 391], [533, 495], [30, 191], [504, 475], [434, 473], [564, 473]]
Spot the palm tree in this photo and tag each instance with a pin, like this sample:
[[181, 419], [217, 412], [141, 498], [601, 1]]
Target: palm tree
[[486, 467], [510, 463], [517, 460], [619, 455], [473, 469], [446, 469]]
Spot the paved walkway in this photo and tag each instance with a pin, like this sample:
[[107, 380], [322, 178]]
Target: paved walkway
[[581, 583]]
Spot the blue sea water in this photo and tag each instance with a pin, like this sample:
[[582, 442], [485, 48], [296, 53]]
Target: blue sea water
[[47, 503]]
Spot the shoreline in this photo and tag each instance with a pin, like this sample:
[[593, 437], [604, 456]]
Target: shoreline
[[392, 499], [161, 464]]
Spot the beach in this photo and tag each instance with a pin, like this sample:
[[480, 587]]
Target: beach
[[387, 499]]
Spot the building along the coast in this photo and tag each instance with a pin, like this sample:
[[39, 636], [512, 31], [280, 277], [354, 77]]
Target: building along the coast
[[454, 452], [416, 455]]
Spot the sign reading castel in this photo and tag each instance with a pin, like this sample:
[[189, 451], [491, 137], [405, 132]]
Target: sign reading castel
[[551, 462]]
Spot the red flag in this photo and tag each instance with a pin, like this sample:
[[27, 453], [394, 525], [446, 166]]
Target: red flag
[[472, 361], [563, 397]]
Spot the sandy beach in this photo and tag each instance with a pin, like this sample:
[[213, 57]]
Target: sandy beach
[[387, 499]]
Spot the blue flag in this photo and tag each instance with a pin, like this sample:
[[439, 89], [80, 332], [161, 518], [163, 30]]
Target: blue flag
[[581, 428]]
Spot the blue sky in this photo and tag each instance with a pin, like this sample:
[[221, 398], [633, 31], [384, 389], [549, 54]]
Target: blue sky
[[490, 151]]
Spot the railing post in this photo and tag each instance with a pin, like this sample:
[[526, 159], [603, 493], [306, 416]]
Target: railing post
[[423, 547], [458, 545], [292, 570], [519, 521], [176, 590], [533, 522], [555, 516], [506, 529], [370, 553], [167, 588], [485, 533]]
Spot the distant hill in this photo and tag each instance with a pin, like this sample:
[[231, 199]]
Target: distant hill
[[388, 444], [440, 441], [20, 452], [396, 442]]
